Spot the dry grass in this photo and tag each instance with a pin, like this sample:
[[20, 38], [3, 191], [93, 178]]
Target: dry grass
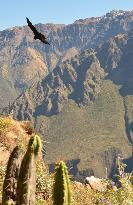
[[13, 132], [83, 195]]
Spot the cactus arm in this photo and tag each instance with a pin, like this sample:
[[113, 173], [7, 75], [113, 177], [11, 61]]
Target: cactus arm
[[27, 181], [62, 190], [11, 177]]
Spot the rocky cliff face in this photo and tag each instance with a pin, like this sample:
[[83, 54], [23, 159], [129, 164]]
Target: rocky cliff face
[[24, 61], [77, 79], [80, 77]]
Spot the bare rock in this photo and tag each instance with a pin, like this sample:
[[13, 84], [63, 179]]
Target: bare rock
[[96, 183]]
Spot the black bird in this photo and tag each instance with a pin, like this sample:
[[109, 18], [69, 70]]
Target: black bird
[[38, 35]]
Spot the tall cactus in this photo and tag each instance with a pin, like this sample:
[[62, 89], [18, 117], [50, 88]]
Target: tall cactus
[[62, 190], [26, 182], [11, 177]]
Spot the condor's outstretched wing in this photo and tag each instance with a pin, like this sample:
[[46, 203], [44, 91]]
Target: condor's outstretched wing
[[31, 26]]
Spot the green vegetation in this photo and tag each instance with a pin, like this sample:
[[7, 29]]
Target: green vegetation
[[118, 196], [48, 190], [97, 129]]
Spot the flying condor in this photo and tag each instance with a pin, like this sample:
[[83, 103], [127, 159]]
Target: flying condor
[[38, 35]]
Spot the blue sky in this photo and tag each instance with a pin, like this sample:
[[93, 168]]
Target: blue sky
[[13, 12]]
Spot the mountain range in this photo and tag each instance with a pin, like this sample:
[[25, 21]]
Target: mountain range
[[77, 92], [19, 52]]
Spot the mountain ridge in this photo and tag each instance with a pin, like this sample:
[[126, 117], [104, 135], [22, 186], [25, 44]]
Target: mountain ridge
[[78, 36]]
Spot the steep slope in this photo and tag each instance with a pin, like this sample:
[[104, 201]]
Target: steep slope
[[13, 133], [84, 108], [25, 61], [81, 73], [7, 93], [20, 65]]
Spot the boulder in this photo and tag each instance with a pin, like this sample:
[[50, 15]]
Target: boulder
[[96, 183]]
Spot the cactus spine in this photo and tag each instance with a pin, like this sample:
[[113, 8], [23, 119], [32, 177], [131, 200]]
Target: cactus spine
[[11, 177], [62, 190], [26, 186]]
